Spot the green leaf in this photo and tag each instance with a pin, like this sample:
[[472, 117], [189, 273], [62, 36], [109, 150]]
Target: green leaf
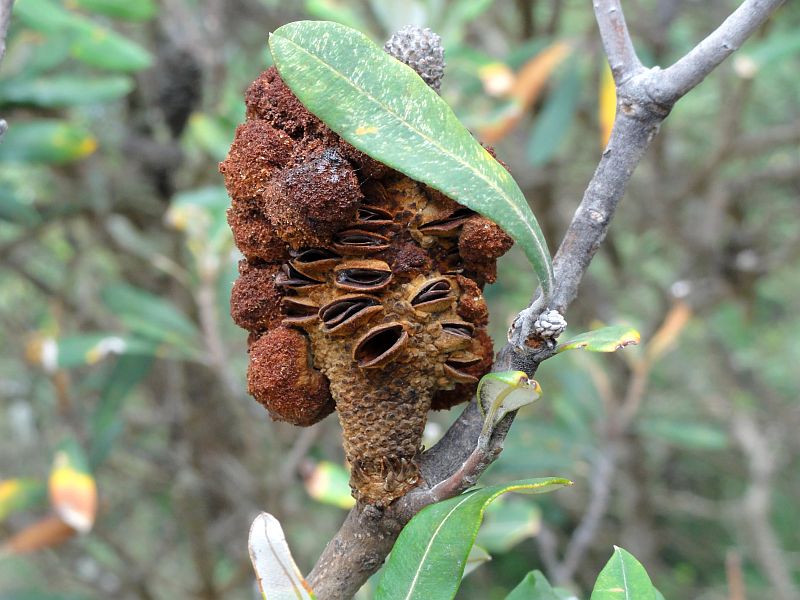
[[202, 214], [428, 560], [44, 15], [623, 578], [605, 339], [64, 90], [91, 348], [507, 524], [210, 133], [19, 494], [336, 10], [770, 51], [277, 574], [152, 317], [139, 10], [383, 108], [685, 434], [44, 53], [533, 587], [106, 425], [329, 483], [106, 49], [39, 595], [46, 141], [14, 210], [457, 15], [91, 43], [558, 113], [477, 556]]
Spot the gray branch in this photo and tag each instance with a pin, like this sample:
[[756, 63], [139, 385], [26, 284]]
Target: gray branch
[[617, 43], [644, 99], [5, 21], [690, 70]]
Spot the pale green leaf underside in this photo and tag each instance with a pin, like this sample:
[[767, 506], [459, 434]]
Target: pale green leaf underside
[[623, 578], [504, 392], [383, 108], [605, 339], [429, 557]]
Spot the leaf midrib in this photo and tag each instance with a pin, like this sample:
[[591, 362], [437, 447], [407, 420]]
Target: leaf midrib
[[287, 573], [624, 573], [429, 545], [433, 142]]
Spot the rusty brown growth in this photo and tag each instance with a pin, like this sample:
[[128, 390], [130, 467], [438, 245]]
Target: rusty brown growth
[[361, 288]]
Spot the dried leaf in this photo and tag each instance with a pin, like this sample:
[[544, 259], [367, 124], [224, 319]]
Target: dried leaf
[[607, 104], [527, 86], [45, 533], [73, 491], [277, 574], [664, 339]]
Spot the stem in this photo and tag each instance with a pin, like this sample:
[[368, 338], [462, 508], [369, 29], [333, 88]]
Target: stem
[[644, 99]]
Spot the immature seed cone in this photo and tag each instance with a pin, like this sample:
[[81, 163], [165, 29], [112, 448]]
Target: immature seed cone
[[360, 287]]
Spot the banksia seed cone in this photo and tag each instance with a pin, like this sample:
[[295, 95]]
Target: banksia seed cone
[[361, 288]]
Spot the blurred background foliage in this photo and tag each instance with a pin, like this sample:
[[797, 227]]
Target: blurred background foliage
[[132, 460]]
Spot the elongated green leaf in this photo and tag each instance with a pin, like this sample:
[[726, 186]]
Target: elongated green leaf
[[91, 43], [336, 10], [44, 53], [428, 559], [383, 108], [684, 433], [44, 15], [39, 595], [46, 141], [151, 316], [456, 16], [106, 424], [89, 349], [507, 523], [210, 133], [19, 494], [623, 578], [202, 215], [277, 574], [533, 587], [769, 51], [64, 90], [106, 49], [477, 556], [605, 339], [558, 113], [139, 10], [14, 210]]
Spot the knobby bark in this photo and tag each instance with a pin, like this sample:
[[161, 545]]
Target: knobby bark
[[645, 98]]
